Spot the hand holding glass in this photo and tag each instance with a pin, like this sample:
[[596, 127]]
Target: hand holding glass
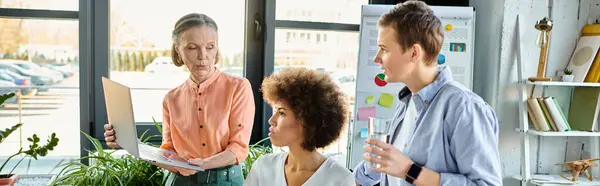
[[378, 129]]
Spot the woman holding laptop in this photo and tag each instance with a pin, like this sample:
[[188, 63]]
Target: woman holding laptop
[[208, 119]]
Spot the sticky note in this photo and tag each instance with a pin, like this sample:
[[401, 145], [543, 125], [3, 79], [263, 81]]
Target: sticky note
[[365, 112], [386, 100], [370, 99], [364, 133]]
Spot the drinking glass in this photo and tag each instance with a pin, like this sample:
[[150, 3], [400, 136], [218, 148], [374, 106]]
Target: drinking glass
[[379, 129]]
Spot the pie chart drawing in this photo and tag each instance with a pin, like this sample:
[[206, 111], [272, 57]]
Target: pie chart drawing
[[380, 80]]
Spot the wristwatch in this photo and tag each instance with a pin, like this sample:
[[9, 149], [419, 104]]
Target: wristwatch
[[413, 173]]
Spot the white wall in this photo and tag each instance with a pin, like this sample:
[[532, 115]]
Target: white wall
[[496, 71]]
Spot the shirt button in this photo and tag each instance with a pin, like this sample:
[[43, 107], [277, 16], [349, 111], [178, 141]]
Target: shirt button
[[200, 93], [199, 109], [203, 144], [426, 102], [201, 126]]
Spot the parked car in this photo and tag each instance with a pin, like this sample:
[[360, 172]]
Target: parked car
[[56, 76], [65, 69], [36, 79], [17, 79], [162, 64]]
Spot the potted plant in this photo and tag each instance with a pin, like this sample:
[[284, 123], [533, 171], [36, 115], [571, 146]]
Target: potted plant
[[109, 169], [568, 76], [254, 152], [34, 151]]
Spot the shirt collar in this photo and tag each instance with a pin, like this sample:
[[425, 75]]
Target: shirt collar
[[202, 87], [425, 95]]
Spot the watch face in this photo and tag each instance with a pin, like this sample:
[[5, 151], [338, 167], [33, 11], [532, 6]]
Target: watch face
[[413, 172]]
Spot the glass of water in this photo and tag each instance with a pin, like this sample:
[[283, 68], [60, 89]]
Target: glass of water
[[379, 129]]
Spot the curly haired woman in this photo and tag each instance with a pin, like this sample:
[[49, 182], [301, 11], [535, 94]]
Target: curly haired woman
[[309, 112]]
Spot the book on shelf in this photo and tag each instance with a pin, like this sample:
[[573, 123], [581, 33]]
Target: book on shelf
[[538, 118], [584, 109], [557, 114], [593, 74], [546, 115]]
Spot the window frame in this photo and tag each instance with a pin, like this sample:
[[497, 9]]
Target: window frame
[[253, 67], [80, 16], [94, 52], [302, 25]]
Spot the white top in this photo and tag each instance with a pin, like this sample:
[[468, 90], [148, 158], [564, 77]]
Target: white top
[[403, 137], [269, 170]]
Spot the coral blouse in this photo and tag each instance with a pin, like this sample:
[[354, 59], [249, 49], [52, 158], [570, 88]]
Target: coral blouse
[[200, 121]]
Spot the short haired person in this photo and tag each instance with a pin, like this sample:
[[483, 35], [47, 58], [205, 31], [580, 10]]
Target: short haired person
[[309, 112], [207, 119], [442, 133]]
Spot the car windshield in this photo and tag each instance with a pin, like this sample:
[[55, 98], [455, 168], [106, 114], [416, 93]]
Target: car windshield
[[11, 73], [24, 66], [5, 76]]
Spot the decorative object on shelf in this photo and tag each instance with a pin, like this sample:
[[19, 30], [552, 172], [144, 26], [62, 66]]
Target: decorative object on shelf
[[568, 76], [543, 40], [582, 60], [593, 74], [578, 166]]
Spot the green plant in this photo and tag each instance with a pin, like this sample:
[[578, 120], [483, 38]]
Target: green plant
[[254, 152], [35, 150], [568, 72], [111, 170]]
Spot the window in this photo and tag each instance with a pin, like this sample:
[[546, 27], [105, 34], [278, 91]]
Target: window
[[141, 47], [333, 11], [337, 59], [41, 4], [40, 53]]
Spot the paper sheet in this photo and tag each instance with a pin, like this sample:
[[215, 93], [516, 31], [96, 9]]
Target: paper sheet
[[364, 133], [386, 100], [365, 112], [370, 99]]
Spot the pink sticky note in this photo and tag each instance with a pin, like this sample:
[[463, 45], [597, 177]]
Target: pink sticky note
[[365, 112]]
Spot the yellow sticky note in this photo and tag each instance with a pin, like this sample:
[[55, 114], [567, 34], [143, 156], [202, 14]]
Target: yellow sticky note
[[386, 100], [370, 99]]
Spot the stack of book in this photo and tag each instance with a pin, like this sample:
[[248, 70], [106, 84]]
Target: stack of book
[[546, 114]]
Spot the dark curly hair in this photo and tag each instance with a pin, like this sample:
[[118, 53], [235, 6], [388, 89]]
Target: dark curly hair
[[316, 100]]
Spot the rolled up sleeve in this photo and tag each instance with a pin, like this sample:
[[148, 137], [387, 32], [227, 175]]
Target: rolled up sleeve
[[167, 142], [241, 121], [365, 176], [477, 153]]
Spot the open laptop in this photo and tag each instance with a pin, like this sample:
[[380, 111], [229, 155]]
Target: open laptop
[[119, 109]]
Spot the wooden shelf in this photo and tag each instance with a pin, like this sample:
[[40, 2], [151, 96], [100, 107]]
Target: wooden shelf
[[566, 84], [565, 133], [554, 179]]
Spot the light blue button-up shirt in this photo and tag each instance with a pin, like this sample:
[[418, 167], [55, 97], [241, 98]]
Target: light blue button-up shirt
[[456, 135]]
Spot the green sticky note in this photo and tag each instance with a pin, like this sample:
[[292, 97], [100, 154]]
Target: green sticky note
[[370, 99], [386, 100]]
